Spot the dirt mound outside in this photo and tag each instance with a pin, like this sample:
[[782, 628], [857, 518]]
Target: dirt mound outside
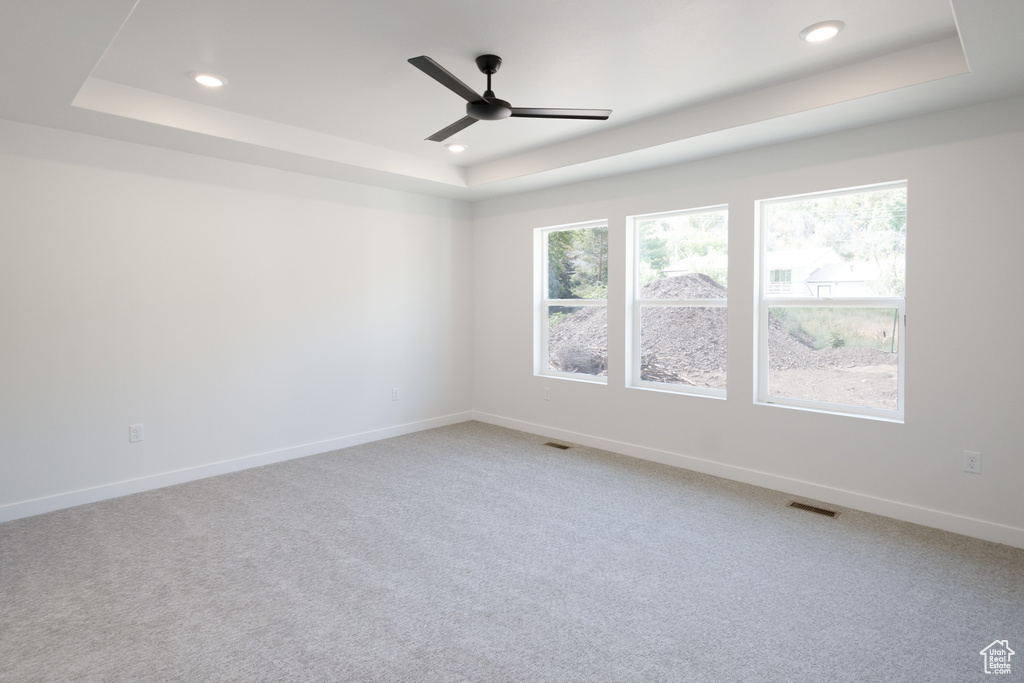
[[687, 345]]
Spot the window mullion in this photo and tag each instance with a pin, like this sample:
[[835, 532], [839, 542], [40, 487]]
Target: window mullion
[[843, 302], [709, 303], [575, 302]]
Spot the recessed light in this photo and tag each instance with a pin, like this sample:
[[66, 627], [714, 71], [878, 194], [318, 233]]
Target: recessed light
[[823, 30], [456, 147], [208, 79]]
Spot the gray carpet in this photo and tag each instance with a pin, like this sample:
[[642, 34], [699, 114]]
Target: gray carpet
[[475, 553]]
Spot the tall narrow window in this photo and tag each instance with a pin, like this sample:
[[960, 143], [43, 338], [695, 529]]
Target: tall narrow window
[[572, 322], [679, 301], [832, 301]]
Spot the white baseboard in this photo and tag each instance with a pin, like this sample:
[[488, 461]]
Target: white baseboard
[[968, 526], [94, 494]]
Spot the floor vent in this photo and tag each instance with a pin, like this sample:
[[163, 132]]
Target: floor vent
[[811, 508], [560, 446]]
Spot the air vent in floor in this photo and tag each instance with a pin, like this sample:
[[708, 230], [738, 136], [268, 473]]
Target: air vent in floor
[[811, 508], [558, 445]]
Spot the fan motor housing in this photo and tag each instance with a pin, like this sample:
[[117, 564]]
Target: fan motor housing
[[489, 109]]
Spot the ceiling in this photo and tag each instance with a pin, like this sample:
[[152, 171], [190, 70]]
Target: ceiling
[[324, 87]]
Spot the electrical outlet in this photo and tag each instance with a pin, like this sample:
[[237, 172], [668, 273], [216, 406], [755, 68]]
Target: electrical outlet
[[972, 462], [394, 394], [135, 433], [547, 393]]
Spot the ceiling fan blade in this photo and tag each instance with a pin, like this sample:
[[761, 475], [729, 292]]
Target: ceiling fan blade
[[445, 78], [532, 113], [445, 133]]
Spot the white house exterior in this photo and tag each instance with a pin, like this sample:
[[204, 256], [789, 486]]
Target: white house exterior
[[818, 272]]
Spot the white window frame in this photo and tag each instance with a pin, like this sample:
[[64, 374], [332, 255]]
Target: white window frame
[[542, 303], [765, 300], [635, 349]]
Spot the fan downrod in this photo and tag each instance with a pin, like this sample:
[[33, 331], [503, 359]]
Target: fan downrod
[[490, 108]]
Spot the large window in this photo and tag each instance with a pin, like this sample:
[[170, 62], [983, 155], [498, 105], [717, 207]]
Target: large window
[[680, 273], [572, 322], [832, 302]]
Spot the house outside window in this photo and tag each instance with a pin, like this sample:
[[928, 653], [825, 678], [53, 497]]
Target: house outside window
[[832, 301], [571, 288], [679, 314]]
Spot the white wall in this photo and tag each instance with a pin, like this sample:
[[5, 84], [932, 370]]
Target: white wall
[[236, 311], [242, 313], [964, 374]]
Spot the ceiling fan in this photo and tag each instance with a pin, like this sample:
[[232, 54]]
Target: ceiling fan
[[488, 107]]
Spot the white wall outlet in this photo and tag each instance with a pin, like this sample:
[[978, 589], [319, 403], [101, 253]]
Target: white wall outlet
[[135, 433], [972, 462], [547, 393], [394, 394]]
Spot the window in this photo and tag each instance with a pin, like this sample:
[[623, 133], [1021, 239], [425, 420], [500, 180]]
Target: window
[[572, 322], [680, 273], [831, 311], [779, 281]]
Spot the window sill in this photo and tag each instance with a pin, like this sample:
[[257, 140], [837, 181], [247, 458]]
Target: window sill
[[585, 379], [826, 409], [699, 392]]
